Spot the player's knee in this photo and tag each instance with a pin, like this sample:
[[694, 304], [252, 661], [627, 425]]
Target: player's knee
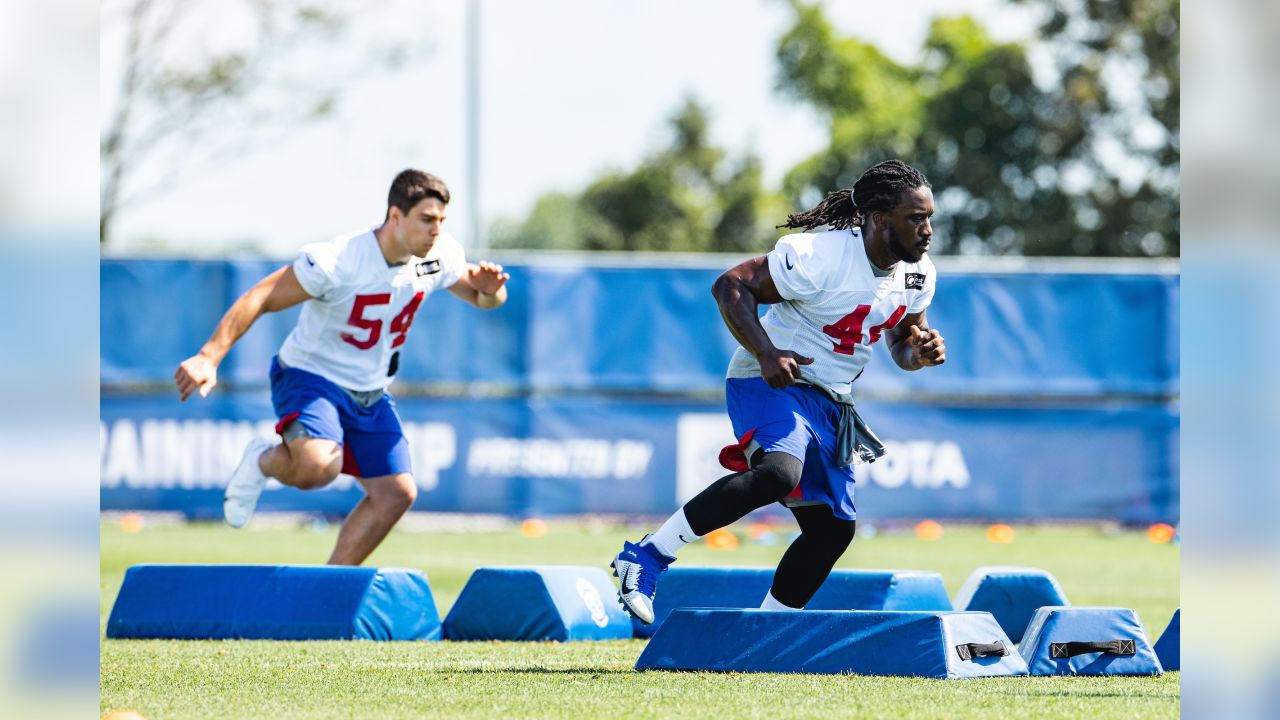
[[312, 474], [396, 493], [776, 476], [833, 538]]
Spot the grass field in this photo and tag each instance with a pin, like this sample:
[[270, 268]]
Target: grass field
[[256, 679]]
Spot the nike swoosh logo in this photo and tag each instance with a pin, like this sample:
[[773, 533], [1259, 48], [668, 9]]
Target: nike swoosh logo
[[788, 262], [310, 260], [683, 539], [625, 587]]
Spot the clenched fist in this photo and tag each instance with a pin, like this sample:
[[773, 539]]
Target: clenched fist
[[927, 346]]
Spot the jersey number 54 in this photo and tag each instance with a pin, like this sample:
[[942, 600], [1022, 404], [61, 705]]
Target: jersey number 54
[[399, 324]]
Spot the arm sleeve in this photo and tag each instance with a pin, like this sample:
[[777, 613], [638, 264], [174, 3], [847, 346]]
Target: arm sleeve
[[317, 269], [453, 263], [922, 299], [794, 267]]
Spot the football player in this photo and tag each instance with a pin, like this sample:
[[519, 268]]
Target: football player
[[832, 294], [360, 293]]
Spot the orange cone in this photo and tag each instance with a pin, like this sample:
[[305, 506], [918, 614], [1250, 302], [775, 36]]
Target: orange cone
[[1000, 534], [1161, 533], [929, 530], [721, 540]]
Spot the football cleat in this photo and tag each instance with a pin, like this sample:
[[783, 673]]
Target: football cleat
[[637, 568], [246, 484]]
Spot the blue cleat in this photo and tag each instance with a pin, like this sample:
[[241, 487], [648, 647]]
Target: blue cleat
[[638, 567]]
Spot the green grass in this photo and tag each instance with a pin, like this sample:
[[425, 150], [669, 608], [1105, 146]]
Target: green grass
[[235, 679]]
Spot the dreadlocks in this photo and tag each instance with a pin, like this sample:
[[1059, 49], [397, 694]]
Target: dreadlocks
[[879, 188]]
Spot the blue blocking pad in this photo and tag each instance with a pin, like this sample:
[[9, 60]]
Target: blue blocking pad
[[1011, 594], [1169, 646], [903, 643], [745, 588], [1088, 641], [547, 602], [274, 602]]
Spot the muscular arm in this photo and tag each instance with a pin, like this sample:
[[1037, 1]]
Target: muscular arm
[[483, 286], [275, 292], [914, 344], [739, 293]]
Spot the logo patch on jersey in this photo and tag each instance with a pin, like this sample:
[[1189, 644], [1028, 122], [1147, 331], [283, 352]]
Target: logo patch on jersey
[[310, 260], [915, 281], [428, 267], [787, 260]]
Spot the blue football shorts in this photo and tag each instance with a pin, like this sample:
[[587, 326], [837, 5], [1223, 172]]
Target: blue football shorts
[[372, 440], [802, 422]]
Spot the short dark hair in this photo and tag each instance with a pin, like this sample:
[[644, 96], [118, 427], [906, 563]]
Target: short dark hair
[[879, 188], [411, 186]]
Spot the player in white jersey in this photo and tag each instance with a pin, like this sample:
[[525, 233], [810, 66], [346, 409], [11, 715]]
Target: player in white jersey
[[328, 382], [832, 295]]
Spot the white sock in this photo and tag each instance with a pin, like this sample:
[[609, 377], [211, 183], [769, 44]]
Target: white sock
[[673, 535], [772, 603]]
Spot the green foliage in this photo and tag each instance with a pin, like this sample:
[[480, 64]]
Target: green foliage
[[1016, 168], [1091, 41], [689, 197], [1068, 167]]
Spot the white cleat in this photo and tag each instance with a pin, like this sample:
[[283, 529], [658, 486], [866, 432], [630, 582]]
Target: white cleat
[[246, 484], [638, 568], [633, 600]]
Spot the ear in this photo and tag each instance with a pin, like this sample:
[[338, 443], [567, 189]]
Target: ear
[[394, 215]]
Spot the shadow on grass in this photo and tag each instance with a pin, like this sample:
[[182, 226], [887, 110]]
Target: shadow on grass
[[538, 671]]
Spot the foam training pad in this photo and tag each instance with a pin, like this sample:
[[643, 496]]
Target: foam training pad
[[745, 588], [1088, 641], [1011, 594], [865, 642], [1169, 646], [545, 602], [274, 602]]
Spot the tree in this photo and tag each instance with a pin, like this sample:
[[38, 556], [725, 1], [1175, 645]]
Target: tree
[[1091, 41], [1018, 168], [185, 98], [686, 197]]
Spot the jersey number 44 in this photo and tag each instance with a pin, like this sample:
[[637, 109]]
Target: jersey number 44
[[847, 331]]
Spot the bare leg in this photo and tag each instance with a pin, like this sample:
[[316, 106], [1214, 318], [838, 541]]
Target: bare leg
[[388, 498], [305, 463]]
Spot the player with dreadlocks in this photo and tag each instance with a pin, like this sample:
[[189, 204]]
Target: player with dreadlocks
[[832, 294]]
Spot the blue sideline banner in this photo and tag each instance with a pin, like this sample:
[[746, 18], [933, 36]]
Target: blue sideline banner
[[546, 456], [646, 329]]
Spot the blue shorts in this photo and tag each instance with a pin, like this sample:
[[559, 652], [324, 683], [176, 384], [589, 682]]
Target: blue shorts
[[800, 421], [373, 443]]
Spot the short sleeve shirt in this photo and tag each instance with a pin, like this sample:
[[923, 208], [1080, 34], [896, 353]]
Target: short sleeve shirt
[[835, 306], [362, 308]]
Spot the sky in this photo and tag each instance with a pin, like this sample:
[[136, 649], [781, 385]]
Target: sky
[[569, 89]]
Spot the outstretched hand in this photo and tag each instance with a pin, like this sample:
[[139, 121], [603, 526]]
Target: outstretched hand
[[486, 277], [927, 346], [781, 368], [196, 373]]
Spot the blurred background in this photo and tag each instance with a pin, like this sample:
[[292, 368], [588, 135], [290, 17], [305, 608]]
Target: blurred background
[[1047, 128], [617, 160], [229, 134]]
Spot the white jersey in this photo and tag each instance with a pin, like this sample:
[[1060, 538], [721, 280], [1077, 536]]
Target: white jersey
[[836, 306], [352, 330]]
